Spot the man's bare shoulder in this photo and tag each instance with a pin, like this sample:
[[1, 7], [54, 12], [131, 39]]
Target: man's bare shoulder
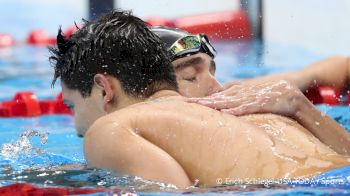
[[127, 117], [163, 106], [106, 132], [107, 123]]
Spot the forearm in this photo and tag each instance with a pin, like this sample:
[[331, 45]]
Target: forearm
[[297, 78], [334, 71], [324, 128]]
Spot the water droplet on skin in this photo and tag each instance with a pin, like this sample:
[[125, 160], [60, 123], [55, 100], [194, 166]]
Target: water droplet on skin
[[221, 124], [137, 131], [196, 182]]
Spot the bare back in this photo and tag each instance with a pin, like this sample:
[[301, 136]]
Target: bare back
[[209, 144]]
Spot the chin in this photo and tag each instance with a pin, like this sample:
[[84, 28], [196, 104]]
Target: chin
[[80, 135]]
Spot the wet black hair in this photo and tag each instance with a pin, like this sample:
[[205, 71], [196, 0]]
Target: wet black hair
[[117, 44]]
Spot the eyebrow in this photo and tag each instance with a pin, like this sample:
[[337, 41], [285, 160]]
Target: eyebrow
[[190, 62]]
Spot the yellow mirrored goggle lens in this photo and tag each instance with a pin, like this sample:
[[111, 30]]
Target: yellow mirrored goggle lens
[[188, 44]]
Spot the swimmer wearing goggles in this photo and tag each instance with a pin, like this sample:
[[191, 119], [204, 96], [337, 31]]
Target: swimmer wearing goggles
[[180, 43]]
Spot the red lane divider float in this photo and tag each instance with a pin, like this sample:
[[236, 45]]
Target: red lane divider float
[[40, 37], [26, 104], [326, 95], [36, 37], [28, 189], [6, 40], [159, 21], [229, 25], [54, 106], [70, 31]]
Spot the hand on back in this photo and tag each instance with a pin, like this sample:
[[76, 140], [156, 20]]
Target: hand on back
[[278, 97]]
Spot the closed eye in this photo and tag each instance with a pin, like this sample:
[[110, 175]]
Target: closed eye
[[192, 79]]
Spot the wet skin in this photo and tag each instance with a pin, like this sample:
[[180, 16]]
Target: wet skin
[[195, 75], [195, 142], [170, 140]]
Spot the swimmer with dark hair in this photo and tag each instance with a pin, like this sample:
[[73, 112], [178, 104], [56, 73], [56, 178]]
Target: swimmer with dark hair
[[118, 80], [193, 61]]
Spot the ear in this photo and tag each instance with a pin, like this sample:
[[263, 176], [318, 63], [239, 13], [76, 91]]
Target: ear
[[102, 82]]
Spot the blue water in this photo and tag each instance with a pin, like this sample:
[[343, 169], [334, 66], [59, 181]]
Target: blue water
[[34, 159]]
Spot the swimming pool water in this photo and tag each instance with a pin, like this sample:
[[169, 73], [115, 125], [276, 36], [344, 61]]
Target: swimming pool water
[[31, 148]]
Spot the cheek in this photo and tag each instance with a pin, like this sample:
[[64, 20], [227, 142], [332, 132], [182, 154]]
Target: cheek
[[85, 115], [190, 89], [201, 88], [91, 112]]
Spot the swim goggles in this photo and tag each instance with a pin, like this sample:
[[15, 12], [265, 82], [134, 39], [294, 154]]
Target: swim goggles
[[191, 44]]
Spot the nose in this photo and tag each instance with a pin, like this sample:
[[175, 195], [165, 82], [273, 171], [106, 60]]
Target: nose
[[214, 86]]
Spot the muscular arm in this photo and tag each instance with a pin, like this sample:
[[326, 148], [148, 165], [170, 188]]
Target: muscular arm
[[119, 148], [334, 71], [324, 128]]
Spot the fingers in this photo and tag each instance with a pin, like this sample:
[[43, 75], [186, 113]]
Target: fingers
[[221, 101], [224, 102], [219, 104], [247, 99]]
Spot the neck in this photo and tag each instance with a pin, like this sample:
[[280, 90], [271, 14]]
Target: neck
[[127, 101], [162, 93]]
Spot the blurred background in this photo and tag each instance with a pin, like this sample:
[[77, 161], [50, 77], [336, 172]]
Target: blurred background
[[253, 37], [317, 25]]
